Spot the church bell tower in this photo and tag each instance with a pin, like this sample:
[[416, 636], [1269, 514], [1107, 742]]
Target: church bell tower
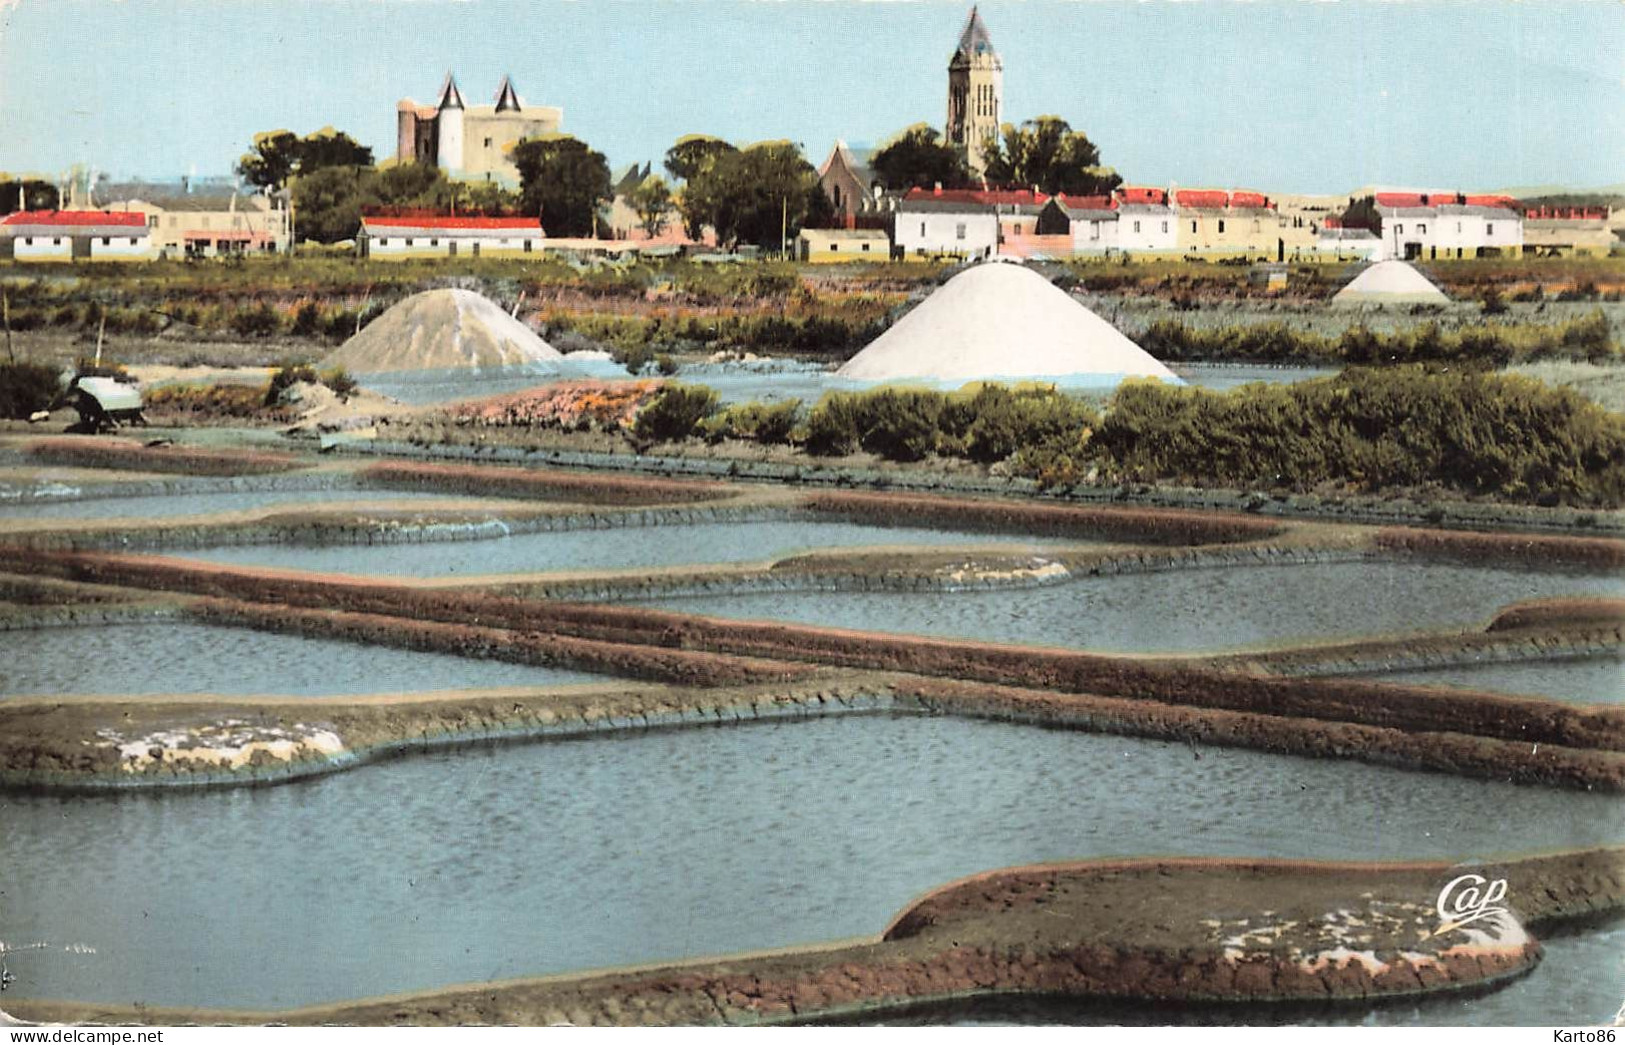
[[975, 92]]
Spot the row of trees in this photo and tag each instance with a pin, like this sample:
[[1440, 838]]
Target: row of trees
[[1044, 152], [27, 194], [759, 194]]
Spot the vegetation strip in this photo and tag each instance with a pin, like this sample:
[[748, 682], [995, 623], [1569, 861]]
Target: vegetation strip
[[541, 484], [132, 456], [1224, 931]]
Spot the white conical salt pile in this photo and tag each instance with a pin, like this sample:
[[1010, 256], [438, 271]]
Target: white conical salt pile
[[1390, 282], [444, 330], [1000, 320]]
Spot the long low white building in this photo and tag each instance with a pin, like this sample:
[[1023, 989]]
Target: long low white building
[[75, 235], [435, 236], [1433, 225]]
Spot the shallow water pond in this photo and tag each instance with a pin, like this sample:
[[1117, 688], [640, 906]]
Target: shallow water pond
[[504, 861], [1179, 610], [164, 657], [600, 549], [161, 505], [1578, 680]]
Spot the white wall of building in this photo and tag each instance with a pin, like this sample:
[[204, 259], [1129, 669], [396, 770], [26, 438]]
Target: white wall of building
[[42, 248], [970, 233], [1148, 230], [1094, 235]]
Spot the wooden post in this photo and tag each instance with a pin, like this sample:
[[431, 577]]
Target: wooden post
[[5, 310]]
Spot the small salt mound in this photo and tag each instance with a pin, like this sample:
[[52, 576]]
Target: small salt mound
[[444, 330], [1001, 320], [1391, 282]]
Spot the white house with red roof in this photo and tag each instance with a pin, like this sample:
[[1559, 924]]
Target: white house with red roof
[[962, 223], [1434, 225], [1145, 221], [75, 235], [411, 235]]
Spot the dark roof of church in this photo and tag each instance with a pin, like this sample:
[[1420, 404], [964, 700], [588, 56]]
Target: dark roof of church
[[975, 40]]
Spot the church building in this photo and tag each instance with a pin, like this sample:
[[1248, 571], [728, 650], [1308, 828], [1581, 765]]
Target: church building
[[471, 142], [975, 92]]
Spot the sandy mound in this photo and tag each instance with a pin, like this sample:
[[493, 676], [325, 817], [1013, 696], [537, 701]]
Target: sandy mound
[[1390, 282], [1000, 320], [444, 330]]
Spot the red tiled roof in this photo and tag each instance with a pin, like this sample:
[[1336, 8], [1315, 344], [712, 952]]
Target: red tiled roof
[[79, 218], [1086, 202], [1492, 201], [1401, 199], [1142, 194], [1249, 199], [1004, 197], [442, 221], [1211, 199]]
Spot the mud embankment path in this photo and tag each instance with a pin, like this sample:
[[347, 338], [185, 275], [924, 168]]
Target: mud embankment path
[[1217, 931]]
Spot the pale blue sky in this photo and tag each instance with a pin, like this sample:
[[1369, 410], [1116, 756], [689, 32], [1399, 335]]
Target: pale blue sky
[[1281, 95]]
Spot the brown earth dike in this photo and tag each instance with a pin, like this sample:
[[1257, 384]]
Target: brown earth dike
[[541, 484], [1140, 526], [1226, 932], [1595, 553], [100, 452], [1388, 706]]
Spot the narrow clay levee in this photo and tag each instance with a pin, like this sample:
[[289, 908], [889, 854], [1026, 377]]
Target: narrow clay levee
[[1219, 931], [95, 452]]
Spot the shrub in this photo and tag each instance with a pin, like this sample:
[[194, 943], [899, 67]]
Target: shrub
[[340, 381], [1465, 431], [674, 414], [25, 388], [901, 424], [1006, 421], [768, 423], [286, 378], [834, 426], [307, 322], [259, 321]]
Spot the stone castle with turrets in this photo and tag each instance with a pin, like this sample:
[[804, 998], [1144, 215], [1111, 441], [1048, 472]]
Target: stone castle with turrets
[[471, 142]]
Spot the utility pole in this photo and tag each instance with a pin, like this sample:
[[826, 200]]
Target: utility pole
[[5, 310]]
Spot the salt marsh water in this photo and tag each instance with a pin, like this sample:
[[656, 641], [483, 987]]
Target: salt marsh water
[[505, 861], [197, 658], [1578, 680], [156, 506], [1180, 610], [601, 549]]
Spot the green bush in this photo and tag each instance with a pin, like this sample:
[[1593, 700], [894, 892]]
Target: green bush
[[1483, 345], [340, 381], [771, 424], [288, 376], [1463, 431], [25, 388], [901, 424], [259, 321], [835, 425], [674, 414]]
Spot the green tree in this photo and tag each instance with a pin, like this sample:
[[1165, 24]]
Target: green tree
[[327, 204], [330, 148], [32, 193], [651, 198], [564, 181], [755, 194], [695, 153], [409, 185], [278, 156], [919, 158], [1362, 214], [272, 161], [1048, 153]]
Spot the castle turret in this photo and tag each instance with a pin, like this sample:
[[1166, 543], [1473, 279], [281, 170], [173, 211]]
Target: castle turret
[[507, 98], [450, 125], [975, 92]]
